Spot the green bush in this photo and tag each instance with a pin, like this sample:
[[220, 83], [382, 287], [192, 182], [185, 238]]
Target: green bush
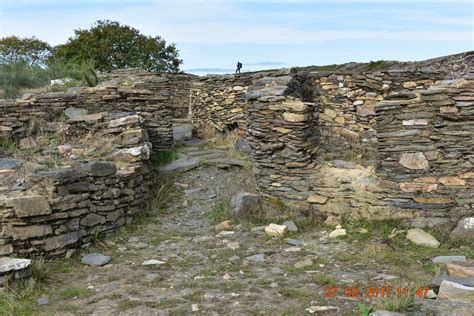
[[17, 76]]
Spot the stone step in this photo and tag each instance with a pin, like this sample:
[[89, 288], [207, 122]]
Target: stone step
[[181, 165], [182, 132]]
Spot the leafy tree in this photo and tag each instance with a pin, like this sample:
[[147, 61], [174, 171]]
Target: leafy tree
[[110, 45], [30, 50]]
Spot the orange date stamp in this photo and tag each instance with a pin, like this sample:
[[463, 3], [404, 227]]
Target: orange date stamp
[[375, 292]]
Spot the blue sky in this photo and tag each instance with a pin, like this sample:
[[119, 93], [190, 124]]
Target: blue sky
[[213, 35]]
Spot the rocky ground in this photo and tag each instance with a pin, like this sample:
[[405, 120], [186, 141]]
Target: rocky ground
[[174, 261]]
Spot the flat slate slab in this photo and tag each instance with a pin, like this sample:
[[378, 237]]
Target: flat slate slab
[[194, 142], [182, 132], [443, 276], [95, 259], [181, 165], [448, 259], [12, 264], [9, 164]]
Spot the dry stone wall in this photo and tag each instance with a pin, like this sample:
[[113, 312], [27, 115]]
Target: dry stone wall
[[280, 134], [387, 121], [218, 103], [150, 98], [57, 209], [347, 103], [178, 86], [425, 143]]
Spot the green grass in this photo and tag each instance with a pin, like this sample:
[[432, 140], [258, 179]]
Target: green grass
[[19, 299], [8, 145], [218, 213], [128, 304], [163, 158], [293, 293], [76, 292], [323, 279], [364, 310], [401, 304], [375, 65], [159, 239]]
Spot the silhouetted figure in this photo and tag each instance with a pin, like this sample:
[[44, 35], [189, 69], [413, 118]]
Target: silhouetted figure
[[239, 66]]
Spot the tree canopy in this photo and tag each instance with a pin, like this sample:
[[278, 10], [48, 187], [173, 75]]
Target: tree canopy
[[110, 45], [30, 50]]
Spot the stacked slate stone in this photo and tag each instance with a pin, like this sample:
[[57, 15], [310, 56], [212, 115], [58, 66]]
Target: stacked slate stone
[[280, 134], [348, 100], [219, 103], [425, 142], [61, 208], [177, 85], [153, 105]]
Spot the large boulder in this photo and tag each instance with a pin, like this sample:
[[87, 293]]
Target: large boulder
[[464, 230], [422, 238], [244, 203], [456, 292], [242, 145]]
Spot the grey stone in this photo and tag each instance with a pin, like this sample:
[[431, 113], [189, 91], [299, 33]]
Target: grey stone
[[244, 203], [422, 238], [103, 169], [81, 187], [6, 163], [343, 164], [95, 259], [194, 142], [62, 240], [294, 242], [291, 226], [234, 260], [139, 245], [242, 145], [443, 276], [446, 308], [13, 264], [464, 229], [74, 112], [26, 232], [182, 132], [448, 259], [27, 206], [429, 222], [6, 249], [181, 165], [277, 270], [126, 120], [92, 219], [386, 313], [42, 301], [151, 277], [62, 176], [456, 292], [260, 257]]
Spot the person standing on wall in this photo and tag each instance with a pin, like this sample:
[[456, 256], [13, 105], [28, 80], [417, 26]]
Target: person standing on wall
[[239, 66]]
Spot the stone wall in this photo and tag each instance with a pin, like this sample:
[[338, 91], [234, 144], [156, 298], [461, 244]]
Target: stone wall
[[280, 134], [178, 86], [52, 210], [347, 103], [425, 143], [219, 102], [342, 155], [149, 97]]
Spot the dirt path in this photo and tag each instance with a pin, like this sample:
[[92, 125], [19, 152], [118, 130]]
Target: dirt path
[[243, 271]]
